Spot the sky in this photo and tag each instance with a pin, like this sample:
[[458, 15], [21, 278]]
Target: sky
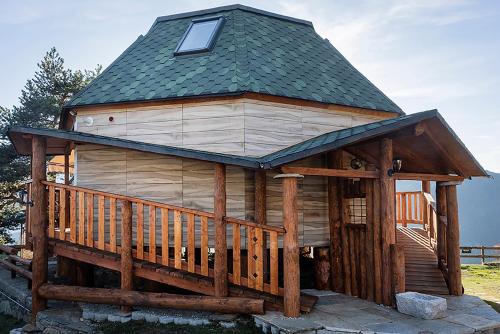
[[423, 54]]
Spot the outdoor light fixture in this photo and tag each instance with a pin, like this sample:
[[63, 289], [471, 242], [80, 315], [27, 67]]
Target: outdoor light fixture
[[72, 113], [356, 163], [396, 166], [22, 196]]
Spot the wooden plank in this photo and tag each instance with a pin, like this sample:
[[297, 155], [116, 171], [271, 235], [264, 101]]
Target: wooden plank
[[100, 223], [152, 233], [81, 218], [178, 239], [242, 222], [204, 245], [72, 216], [164, 236], [52, 211], [112, 224], [273, 262], [331, 172], [191, 242], [259, 262], [236, 254], [140, 231], [426, 177], [90, 220], [250, 259], [62, 214]]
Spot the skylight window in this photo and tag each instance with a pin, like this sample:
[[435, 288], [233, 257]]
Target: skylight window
[[200, 36]]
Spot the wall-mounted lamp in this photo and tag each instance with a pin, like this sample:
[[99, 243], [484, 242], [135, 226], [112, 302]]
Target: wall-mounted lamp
[[22, 196], [72, 113], [356, 163], [396, 166]]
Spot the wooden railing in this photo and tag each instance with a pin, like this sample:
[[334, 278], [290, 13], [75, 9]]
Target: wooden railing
[[165, 234], [471, 252]]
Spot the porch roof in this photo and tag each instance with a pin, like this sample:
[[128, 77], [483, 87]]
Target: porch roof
[[424, 141]]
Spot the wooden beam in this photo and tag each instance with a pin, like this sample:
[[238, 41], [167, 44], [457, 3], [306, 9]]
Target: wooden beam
[[334, 160], [427, 177], [220, 266], [164, 300], [426, 186], [126, 260], [453, 242], [398, 267], [291, 267], [17, 269], [260, 212], [351, 173], [39, 218], [369, 244], [387, 219], [377, 244]]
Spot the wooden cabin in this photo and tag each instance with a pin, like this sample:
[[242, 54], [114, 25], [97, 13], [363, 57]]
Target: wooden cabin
[[243, 136]]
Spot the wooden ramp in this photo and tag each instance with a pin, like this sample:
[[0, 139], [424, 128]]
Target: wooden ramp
[[170, 276], [422, 272]]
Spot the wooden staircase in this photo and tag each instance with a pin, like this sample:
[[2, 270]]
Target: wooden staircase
[[421, 264]]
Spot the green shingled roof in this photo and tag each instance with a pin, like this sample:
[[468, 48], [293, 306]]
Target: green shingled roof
[[256, 51]]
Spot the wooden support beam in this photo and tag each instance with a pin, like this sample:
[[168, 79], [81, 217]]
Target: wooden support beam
[[331, 172], [377, 244], [427, 177], [426, 186], [398, 267], [369, 244], [387, 219], [260, 212], [441, 222], [39, 218], [334, 160], [291, 270], [453, 242], [17, 269], [164, 300], [126, 260], [220, 265], [321, 268]]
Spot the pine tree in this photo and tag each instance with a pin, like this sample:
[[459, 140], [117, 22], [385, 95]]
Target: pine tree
[[40, 105]]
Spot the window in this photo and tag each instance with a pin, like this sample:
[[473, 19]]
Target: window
[[200, 36]]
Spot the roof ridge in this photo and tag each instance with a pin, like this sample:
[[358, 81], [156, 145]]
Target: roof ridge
[[230, 8]]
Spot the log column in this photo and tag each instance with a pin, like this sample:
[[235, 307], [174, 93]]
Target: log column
[[220, 265], [387, 218], [334, 219], [126, 261], [260, 212], [426, 186], [39, 219], [441, 222], [453, 242], [291, 270]]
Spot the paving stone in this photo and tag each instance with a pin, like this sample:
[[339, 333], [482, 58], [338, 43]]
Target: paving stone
[[443, 326], [227, 324], [16, 331], [473, 321], [165, 319], [421, 305]]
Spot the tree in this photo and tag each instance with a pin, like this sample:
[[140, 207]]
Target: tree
[[40, 105]]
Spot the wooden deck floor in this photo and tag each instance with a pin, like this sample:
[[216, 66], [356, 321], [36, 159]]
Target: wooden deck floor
[[422, 272]]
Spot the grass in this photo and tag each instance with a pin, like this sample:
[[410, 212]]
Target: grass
[[483, 281], [144, 327], [7, 323]]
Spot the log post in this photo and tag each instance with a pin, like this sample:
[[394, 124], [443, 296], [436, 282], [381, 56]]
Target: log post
[[39, 219], [426, 187], [260, 212], [220, 265], [369, 233], [398, 266], [321, 268], [291, 270], [377, 244], [441, 222], [453, 242], [126, 260], [388, 224], [334, 160]]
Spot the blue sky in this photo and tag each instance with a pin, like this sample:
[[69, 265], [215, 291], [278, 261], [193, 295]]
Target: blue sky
[[423, 54]]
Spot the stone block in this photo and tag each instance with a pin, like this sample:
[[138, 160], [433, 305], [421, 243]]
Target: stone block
[[420, 305]]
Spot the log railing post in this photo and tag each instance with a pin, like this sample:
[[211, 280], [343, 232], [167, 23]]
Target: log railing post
[[453, 242], [291, 268], [260, 213], [38, 216], [441, 222], [126, 261], [220, 265], [334, 219], [387, 220]]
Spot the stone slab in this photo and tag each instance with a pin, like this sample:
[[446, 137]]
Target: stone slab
[[421, 305]]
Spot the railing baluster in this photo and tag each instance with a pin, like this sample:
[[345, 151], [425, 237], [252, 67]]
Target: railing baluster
[[164, 236], [72, 216], [152, 233], [81, 218], [112, 224], [140, 231], [204, 245], [52, 211], [236, 254], [273, 247], [191, 242], [178, 239], [90, 220], [259, 260], [250, 259], [100, 223], [62, 214]]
